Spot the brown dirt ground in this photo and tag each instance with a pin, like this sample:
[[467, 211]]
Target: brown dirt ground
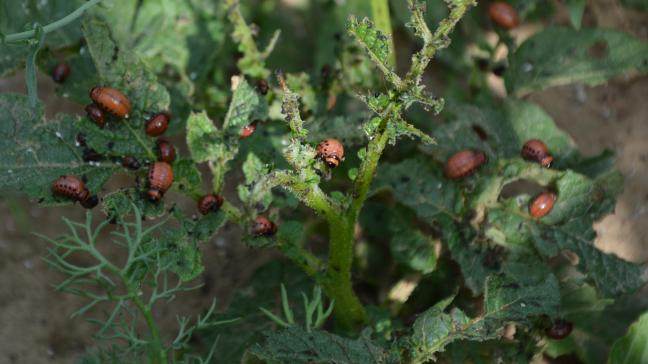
[[35, 325]]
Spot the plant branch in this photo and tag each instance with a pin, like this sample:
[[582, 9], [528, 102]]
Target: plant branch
[[54, 25]]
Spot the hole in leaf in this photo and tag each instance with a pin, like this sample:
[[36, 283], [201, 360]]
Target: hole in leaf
[[521, 187], [598, 50]]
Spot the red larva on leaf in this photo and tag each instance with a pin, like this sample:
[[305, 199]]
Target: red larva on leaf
[[560, 329], [73, 188], [165, 150], [160, 179], [331, 151], [61, 72], [209, 203], [248, 130], [158, 124], [263, 227], [504, 15], [464, 163], [536, 150], [95, 114], [542, 204], [111, 100]]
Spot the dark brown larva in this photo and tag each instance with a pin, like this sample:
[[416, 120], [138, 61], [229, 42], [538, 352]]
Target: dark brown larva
[[464, 163], [158, 124], [504, 15], [81, 140], [331, 151], [61, 72], [73, 188], [91, 155], [160, 178], [248, 130], [131, 162], [111, 100], [209, 203], [95, 114], [262, 86], [165, 150], [542, 204], [560, 329], [536, 150], [263, 227]]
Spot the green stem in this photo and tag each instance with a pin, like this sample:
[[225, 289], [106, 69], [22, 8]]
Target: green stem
[[382, 20], [157, 354], [55, 25]]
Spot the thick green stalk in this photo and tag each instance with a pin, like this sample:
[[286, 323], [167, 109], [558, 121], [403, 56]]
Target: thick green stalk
[[380, 16], [349, 312]]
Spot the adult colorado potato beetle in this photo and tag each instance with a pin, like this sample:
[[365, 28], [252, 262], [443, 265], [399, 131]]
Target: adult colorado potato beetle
[[209, 203], [536, 150], [331, 151], [248, 130], [61, 72], [542, 204], [111, 100], [165, 150], [560, 329], [503, 14], [160, 178], [263, 227], [95, 114], [158, 124], [464, 163], [73, 188]]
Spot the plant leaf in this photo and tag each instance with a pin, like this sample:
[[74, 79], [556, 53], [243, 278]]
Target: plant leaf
[[633, 347], [294, 345], [36, 152], [505, 301], [590, 56]]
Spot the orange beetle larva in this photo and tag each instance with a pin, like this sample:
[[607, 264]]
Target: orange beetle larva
[[536, 150], [111, 100], [160, 178], [209, 203], [504, 15], [542, 204], [464, 163], [331, 151], [263, 227], [73, 188]]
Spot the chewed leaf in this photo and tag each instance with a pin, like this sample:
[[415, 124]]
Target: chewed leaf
[[205, 141], [294, 345], [247, 106], [374, 42], [122, 69], [590, 56], [505, 300], [36, 152]]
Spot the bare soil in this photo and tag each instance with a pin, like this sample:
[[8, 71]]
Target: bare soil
[[35, 325]]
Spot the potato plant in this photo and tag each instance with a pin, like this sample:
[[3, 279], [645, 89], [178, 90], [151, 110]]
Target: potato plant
[[314, 141]]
